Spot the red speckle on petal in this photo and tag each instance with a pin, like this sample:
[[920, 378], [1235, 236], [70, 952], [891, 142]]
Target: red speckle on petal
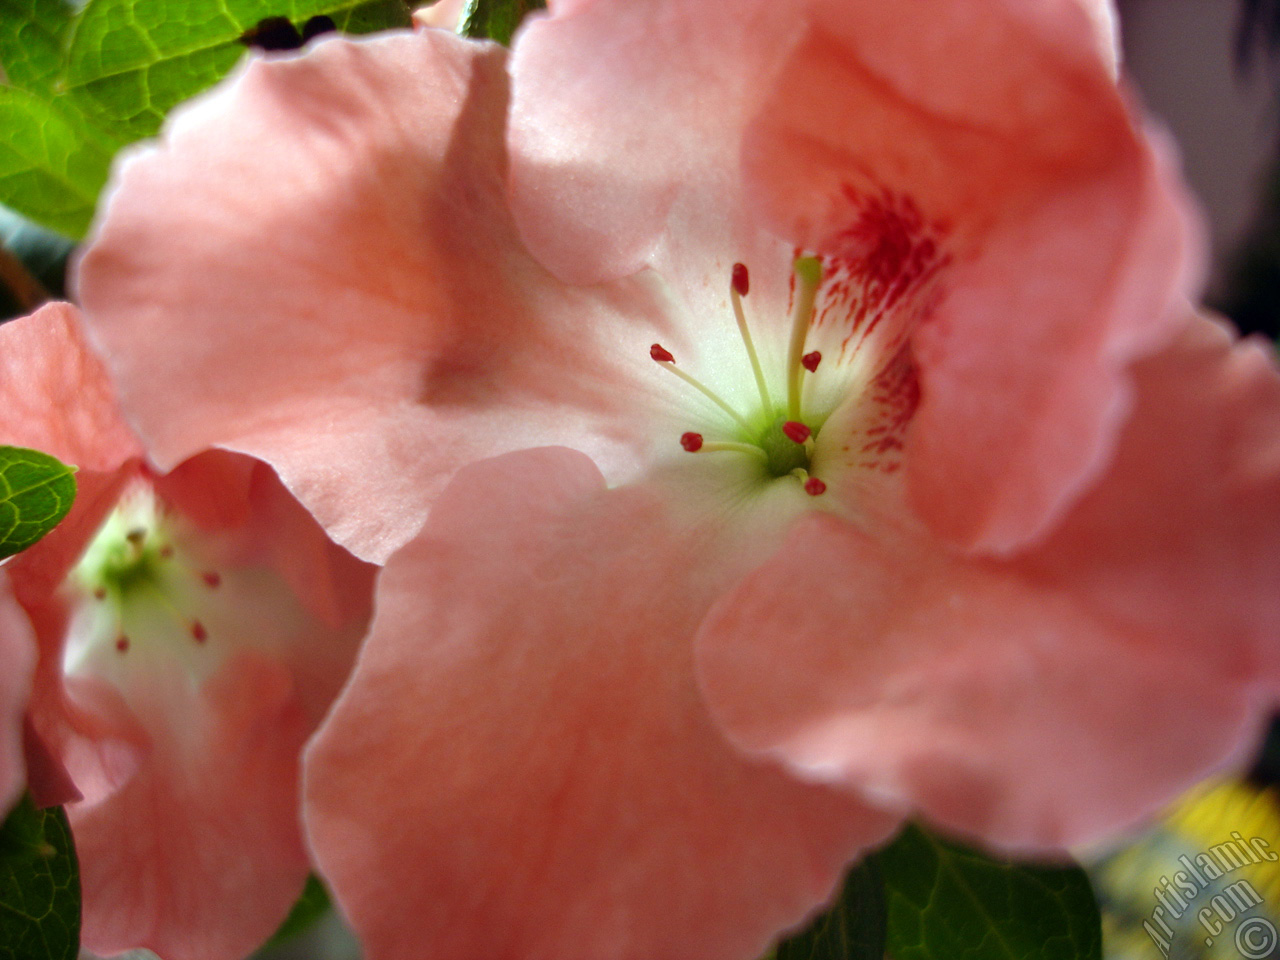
[[198, 631], [741, 279], [166, 551], [212, 579], [797, 432], [100, 593], [122, 643], [810, 361], [813, 487], [659, 353], [691, 442]]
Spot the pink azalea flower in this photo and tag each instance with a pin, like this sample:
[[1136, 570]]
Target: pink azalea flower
[[963, 514], [191, 628]]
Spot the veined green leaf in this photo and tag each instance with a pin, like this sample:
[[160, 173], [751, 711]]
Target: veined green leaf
[[947, 902], [495, 19], [39, 886], [852, 929], [52, 165], [32, 35], [130, 61], [36, 491], [310, 906]]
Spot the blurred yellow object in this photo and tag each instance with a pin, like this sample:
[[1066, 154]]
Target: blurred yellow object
[[1202, 885]]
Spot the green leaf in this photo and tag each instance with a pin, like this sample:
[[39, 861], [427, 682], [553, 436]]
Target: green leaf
[[39, 886], [310, 907], [131, 61], [854, 927], [495, 19], [32, 36], [36, 491], [947, 902], [52, 165]]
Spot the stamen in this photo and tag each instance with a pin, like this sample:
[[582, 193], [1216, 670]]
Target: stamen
[[796, 432], [810, 361], [691, 441], [737, 290], [667, 362], [814, 487], [808, 272]]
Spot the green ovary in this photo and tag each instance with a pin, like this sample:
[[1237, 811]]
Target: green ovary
[[783, 454]]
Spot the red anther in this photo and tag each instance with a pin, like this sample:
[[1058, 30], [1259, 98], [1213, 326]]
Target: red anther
[[199, 632], [810, 361], [212, 579], [122, 643], [691, 441], [659, 353], [813, 487], [796, 431], [741, 279]]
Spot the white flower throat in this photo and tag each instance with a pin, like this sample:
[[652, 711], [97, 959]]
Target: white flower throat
[[780, 432], [152, 588]]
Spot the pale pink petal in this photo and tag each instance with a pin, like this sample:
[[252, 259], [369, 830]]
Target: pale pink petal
[[556, 788], [1056, 697], [316, 267], [1106, 25], [443, 14], [18, 654]]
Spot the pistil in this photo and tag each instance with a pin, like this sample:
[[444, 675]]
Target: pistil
[[808, 273]]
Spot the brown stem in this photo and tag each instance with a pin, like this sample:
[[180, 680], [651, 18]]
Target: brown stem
[[26, 289]]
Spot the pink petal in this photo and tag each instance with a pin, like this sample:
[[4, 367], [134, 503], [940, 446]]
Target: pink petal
[[18, 654], [57, 395], [1183, 531], [1068, 241], [317, 267], [621, 110], [1053, 698], [198, 857], [556, 788], [1066, 244]]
